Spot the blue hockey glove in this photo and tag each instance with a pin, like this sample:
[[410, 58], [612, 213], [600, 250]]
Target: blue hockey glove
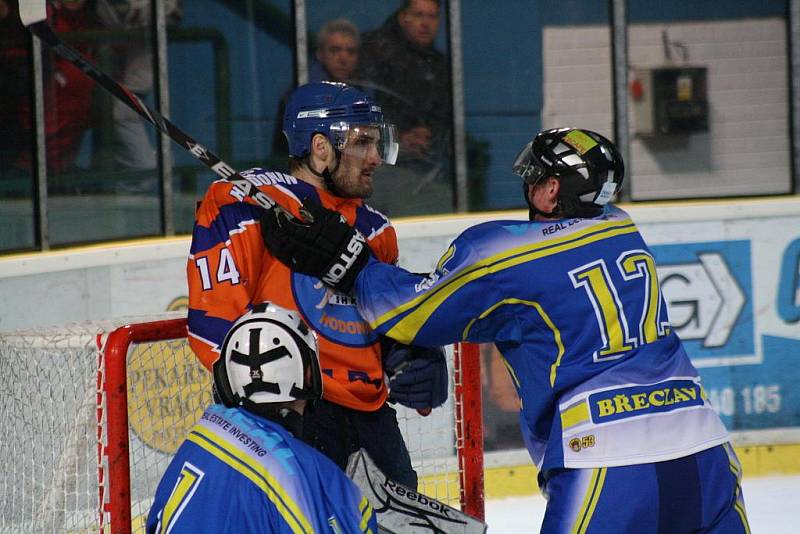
[[417, 376]]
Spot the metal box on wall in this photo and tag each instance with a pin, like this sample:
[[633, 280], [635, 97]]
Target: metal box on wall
[[669, 100]]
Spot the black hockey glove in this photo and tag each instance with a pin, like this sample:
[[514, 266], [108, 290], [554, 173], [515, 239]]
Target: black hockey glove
[[323, 245], [418, 376]]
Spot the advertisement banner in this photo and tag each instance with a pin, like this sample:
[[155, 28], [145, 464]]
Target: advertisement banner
[[733, 296], [730, 274]]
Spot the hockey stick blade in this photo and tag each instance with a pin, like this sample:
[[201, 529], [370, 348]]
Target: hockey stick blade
[[33, 14], [399, 509]]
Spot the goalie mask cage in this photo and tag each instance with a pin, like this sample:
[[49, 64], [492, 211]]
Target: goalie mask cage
[[93, 412]]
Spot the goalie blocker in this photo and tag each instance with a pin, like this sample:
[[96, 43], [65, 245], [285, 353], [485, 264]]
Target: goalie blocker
[[400, 509]]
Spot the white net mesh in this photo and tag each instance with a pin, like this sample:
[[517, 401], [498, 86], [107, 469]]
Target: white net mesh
[[431, 443], [54, 475], [48, 411], [168, 390]]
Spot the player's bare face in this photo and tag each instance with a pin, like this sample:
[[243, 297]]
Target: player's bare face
[[360, 158]]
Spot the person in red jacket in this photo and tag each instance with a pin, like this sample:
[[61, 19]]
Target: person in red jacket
[[67, 91], [337, 138]]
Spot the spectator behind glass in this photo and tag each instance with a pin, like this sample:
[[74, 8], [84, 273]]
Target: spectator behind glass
[[410, 77], [337, 52], [67, 91], [337, 58], [411, 81], [131, 146]]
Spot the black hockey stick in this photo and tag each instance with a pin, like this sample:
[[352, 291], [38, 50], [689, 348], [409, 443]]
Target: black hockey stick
[[33, 14]]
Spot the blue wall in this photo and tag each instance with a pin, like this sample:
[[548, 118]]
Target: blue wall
[[261, 69], [503, 89]]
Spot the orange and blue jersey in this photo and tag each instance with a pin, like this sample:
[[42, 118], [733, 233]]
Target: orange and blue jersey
[[230, 269], [238, 472]]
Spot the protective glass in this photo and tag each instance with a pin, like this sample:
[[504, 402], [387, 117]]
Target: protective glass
[[359, 139], [527, 165]]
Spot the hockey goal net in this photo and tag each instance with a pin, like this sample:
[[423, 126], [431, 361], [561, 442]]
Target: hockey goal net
[[92, 414]]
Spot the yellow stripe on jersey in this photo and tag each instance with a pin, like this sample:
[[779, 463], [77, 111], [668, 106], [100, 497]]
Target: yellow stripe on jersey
[[589, 501], [545, 318], [510, 370], [736, 469], [559, 344], [406, 329], [733, 461], [739, 507], [256, 473], [366, 513], [499, 257], [575, 415], [184, 489], [449, 253]]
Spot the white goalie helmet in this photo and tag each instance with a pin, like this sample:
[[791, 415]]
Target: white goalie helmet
[[269, 355]]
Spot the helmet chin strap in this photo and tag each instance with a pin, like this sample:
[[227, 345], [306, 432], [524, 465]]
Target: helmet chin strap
[[327, 174]]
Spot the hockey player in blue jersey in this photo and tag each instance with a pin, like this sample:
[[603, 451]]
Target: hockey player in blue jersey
[[611, 408], [241, 469]]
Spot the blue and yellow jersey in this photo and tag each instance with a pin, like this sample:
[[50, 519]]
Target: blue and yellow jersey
[[576, 310], [229, 269], [237, 472]]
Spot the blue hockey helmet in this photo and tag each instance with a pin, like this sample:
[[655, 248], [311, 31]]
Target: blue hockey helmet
[[588, 166], [334, 110]]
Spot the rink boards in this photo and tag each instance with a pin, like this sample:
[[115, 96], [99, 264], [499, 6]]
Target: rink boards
[[730, 272]]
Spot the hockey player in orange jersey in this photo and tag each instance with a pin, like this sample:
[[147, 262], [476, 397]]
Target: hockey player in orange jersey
[[337, 138]]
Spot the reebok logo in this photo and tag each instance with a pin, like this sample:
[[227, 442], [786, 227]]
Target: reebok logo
[[402, 491]]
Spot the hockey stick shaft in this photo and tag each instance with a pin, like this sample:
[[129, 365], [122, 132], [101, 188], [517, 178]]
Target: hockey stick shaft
[[34, 16]]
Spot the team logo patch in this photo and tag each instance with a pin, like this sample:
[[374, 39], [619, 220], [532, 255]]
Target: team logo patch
[[581, 142], [578, 444], [616, 404], [330, 314]]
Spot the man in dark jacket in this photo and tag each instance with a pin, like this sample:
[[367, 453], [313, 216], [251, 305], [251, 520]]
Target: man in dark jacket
[[411, 78], [411, 81]]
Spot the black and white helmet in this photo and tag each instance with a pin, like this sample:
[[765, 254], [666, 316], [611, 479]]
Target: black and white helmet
[[269, 355], [588, 166]]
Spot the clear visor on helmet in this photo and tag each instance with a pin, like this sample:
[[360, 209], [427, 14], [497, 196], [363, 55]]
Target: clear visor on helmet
[[359, 140], [527, 166]]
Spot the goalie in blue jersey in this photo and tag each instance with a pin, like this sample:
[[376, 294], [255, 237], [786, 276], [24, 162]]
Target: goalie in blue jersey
[[241, 469], [611, 408]]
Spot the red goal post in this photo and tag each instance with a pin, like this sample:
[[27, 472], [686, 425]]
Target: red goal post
[[95, 411]]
